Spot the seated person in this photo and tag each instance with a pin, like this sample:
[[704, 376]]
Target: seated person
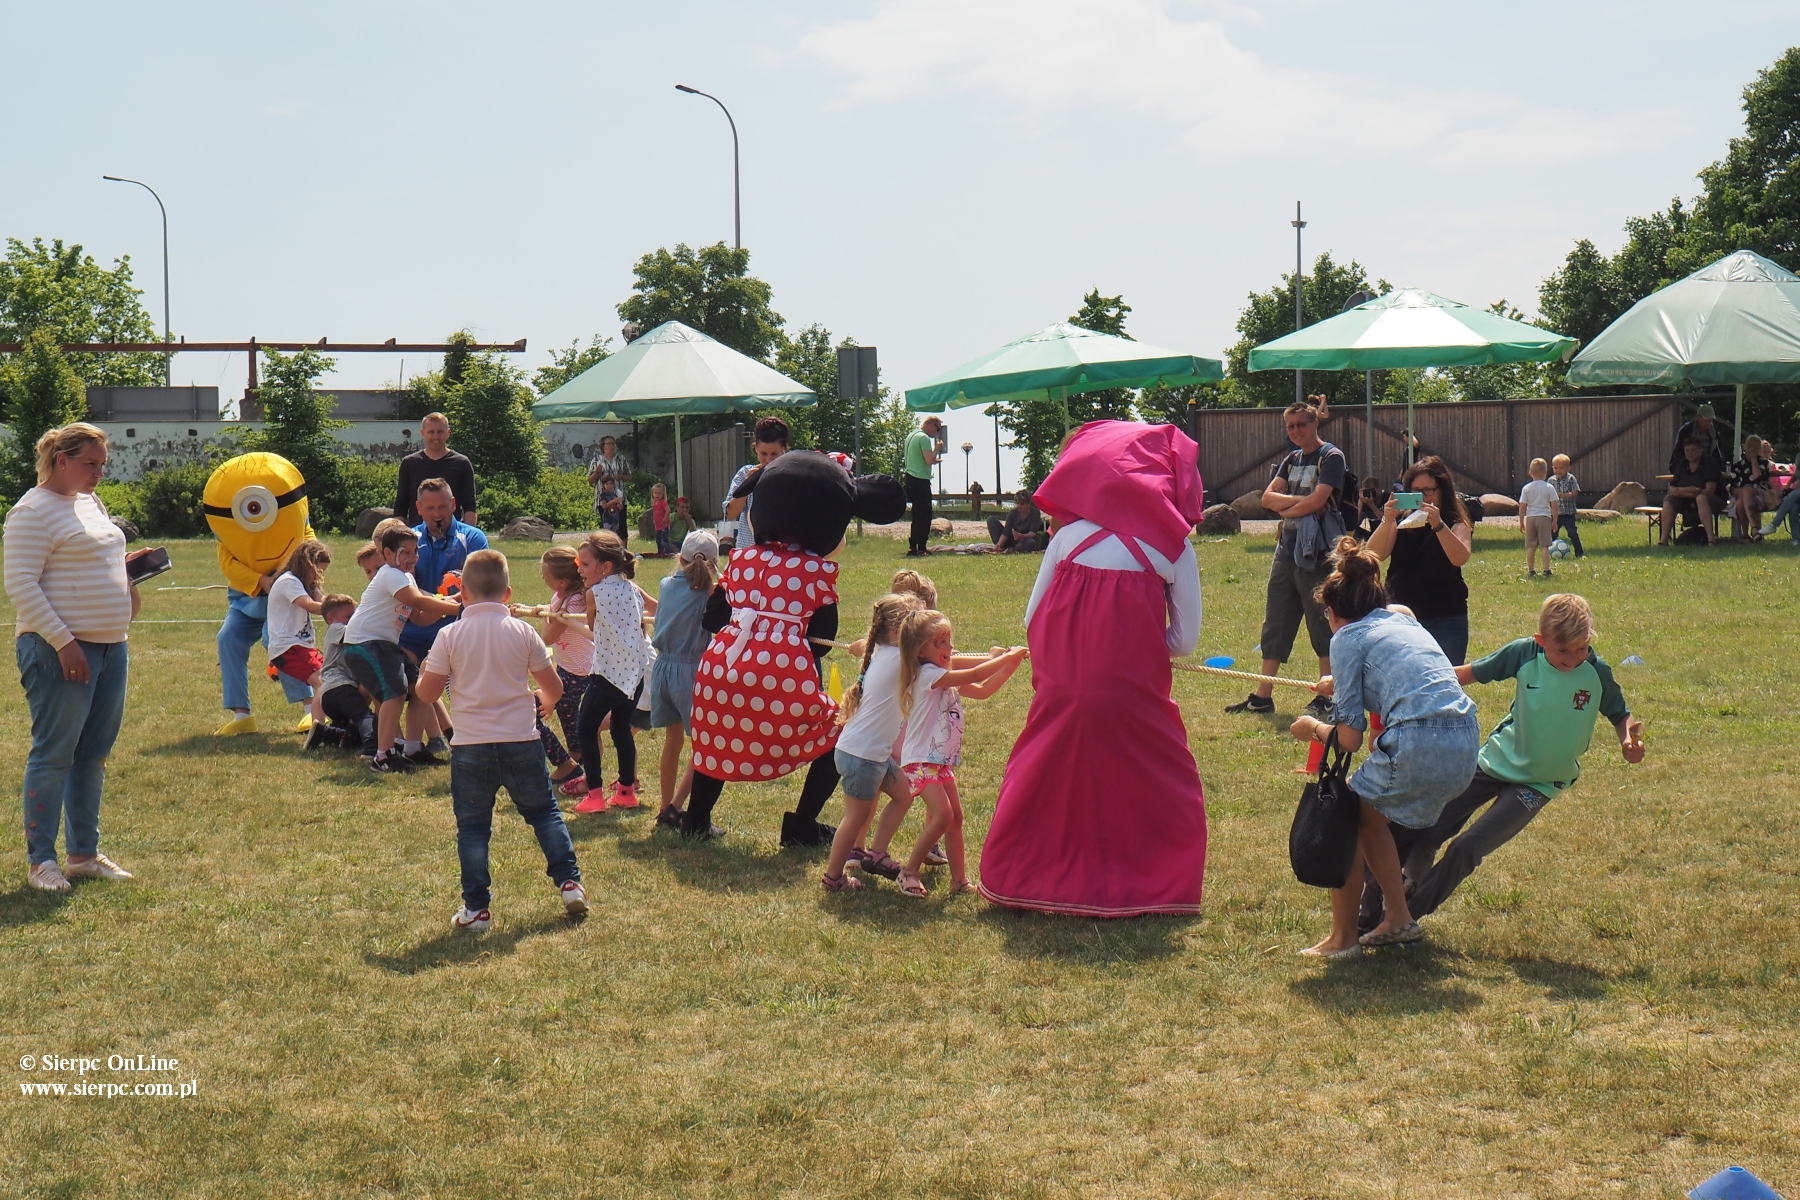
[[1023, 530], [1369, 506], [1751, 477], [1696, 491]]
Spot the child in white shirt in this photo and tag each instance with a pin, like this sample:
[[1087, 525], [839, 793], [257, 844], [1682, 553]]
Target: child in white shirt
[[615, 613], [372, 639], [293, 599], [1538, 502]]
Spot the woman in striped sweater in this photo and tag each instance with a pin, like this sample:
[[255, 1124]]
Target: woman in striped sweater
[[65, 574]]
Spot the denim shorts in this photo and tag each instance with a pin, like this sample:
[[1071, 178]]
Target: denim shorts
[[1416, 768], [672, 693], [864, 777]]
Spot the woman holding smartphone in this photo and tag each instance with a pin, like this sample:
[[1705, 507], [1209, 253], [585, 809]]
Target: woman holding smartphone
[[66, 576], [1426, 550]]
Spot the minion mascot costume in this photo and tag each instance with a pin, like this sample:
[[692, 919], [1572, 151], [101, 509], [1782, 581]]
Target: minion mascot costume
[[255, 505]]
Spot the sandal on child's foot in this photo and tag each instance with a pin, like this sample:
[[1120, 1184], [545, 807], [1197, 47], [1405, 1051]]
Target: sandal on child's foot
[[912, 885], [965, 888], [841, 883], [883, 864], [935, 857]]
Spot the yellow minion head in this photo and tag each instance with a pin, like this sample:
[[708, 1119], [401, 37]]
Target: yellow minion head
[[255, 505]]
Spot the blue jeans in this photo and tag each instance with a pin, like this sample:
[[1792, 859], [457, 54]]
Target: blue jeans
[[1565, 523], [477, 773], [1451, 634], [246, 622], [73, 727], [1789, 511]]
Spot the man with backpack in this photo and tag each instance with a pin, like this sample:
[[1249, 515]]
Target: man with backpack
[[1305, 493]]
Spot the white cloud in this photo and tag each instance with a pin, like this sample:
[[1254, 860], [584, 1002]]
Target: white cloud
[[1058, 57]]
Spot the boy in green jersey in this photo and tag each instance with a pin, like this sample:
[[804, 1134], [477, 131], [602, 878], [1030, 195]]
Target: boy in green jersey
[[1563, 687]]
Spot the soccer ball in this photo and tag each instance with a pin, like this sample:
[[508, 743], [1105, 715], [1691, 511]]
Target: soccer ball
[[1559, 549]]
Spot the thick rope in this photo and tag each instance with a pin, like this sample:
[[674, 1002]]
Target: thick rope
[[1250, 675]]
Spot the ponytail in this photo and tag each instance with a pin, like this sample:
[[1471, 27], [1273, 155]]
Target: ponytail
[[1353, 590], [890, 613]]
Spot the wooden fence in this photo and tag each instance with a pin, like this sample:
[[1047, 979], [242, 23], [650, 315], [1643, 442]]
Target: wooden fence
[[708, 462], [1488, 444]]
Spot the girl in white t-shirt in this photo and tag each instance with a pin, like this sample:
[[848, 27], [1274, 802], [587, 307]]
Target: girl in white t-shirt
[[621, 660], [931, 692], [571, 643], [294, 597]]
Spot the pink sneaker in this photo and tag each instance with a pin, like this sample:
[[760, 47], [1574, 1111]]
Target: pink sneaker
[[623, 796], [595, 802], [574, 785]]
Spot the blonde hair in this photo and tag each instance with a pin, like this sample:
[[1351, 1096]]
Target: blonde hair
[[369, 550], [1560, 461], [1539, 467], [72, 438], [920, 629], [307, 563], [889, 613], [604, 546], [1566, 619], [907, 581], [484, 576], [383, 525], [335, 602], [699, 572], [563, 567]]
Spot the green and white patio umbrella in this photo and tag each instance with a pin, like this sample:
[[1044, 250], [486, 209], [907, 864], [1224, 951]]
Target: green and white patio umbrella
[[1059, 361], [1734, 321], [1406, 329], [672, 371]]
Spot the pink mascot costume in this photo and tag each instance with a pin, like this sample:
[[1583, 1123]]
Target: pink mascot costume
[[1101, 812]]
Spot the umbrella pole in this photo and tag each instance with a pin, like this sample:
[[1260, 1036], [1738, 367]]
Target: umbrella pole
[[680, 486], [1737, 429], [1062, 394], [1411, 379], [1369, 424]]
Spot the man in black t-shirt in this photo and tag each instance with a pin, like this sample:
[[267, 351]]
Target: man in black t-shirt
[[1704, 429], [1304, 493], [436, 461], [1698, 488]]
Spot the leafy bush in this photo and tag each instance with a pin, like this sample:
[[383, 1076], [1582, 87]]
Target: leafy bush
[[121, 500], [563, 498], [168, 501], [365, 485]]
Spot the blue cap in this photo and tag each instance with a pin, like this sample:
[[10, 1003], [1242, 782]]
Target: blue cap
[[1734, 1183]]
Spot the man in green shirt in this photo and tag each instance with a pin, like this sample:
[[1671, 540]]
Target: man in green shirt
[[921, 456], [1532, 756]]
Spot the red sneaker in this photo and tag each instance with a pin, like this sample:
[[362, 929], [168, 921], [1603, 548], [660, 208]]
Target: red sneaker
[[623, 796], [595, 802]]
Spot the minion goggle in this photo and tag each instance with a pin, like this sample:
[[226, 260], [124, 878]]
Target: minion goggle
[[255, 508]]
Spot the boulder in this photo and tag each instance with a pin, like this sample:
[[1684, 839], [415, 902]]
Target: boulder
[[1220, 519], [1624, 498], [1597, 514], [1474, 506], [528, 529], [369, 518], [1493, 504], [1249, 507], [128, 528], [942, 526]]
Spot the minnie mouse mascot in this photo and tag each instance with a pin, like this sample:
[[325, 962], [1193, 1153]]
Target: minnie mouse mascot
[[760, 708]]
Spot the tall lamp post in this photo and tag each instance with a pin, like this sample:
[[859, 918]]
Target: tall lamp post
[[165, 222], [1299, 304], [994, 411], [737, 211], [967, 448]]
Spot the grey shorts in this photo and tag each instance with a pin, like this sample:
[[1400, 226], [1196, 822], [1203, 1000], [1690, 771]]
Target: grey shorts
[[864, 777], [1290, 600], [672, 693], [381, 669]]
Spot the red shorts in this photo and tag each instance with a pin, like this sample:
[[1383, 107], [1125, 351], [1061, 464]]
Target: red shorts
[[299, 662]]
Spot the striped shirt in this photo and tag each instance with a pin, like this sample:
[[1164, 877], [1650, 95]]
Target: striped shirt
[[65, 569]]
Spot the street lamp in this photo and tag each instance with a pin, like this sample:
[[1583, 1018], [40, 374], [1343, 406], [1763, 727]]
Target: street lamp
[[1299, 306], [737, 211], [967, 447], [165, 221]]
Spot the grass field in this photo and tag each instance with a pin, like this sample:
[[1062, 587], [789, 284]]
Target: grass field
[[1610, 1007]]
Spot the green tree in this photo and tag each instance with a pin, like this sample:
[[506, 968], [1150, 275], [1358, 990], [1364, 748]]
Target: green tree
[[710, 289], [41, 391], [1102, 314], [1270, 315], [567, 363], [297, 425], [1751, 197], [1500, 381], [490, 409], [61, 291]]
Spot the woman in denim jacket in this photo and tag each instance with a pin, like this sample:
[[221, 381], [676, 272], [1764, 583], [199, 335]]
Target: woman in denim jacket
[[1384, 662]]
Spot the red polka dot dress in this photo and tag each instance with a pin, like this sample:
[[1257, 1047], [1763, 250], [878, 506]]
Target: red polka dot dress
[[759, 712]]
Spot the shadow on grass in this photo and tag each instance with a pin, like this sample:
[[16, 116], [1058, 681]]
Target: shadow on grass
[[451, 948], [732, 863], [26, 905], [1395, 981], [1563, 980], [245, 745], [1025, 934]]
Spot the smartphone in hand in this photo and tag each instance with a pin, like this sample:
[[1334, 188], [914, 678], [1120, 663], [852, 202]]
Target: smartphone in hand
[[148, 566]]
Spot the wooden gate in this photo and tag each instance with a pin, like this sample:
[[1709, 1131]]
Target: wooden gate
[[1488, 444], [708, 462]]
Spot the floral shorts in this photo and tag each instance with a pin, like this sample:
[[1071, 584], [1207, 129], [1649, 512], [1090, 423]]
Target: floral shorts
[[920, 774]]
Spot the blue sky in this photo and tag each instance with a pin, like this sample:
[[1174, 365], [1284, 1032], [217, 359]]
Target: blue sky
[[935, 177]]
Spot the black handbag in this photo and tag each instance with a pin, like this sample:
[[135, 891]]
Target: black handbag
[[1322, 842]]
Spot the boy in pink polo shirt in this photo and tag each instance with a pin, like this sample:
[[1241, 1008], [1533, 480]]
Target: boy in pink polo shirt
[[493, 658]]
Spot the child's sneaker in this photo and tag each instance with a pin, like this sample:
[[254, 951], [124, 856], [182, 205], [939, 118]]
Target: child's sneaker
[[472, 922], [235, 726], [47, 877], [623, 796], [1548, 572], [574, 898], [595, 802], [391, 763], [935, 857], [305, 725], [574, 785], [437, 745]]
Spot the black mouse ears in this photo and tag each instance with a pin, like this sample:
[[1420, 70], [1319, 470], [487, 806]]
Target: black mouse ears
[[879, 499]]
